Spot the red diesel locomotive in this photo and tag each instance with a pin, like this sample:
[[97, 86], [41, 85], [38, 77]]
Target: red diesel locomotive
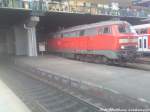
[[105, 41]]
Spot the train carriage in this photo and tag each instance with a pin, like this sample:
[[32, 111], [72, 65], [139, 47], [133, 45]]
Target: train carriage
[[144, 38], [111, 40]]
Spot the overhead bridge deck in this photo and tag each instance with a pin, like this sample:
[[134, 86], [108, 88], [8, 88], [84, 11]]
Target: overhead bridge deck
[[52, 21]]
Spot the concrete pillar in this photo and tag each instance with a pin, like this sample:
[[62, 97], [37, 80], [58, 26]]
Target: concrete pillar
[[25, 37], [21, 41], [30, 26], [32, 47], [2, 42], [10, 42]]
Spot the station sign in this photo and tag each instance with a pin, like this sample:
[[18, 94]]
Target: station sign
[[42, 47]]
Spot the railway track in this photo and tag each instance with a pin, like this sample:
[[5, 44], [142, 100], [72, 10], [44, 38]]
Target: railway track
[[97, 96], [138, 64], [40, 97], [145, 60]]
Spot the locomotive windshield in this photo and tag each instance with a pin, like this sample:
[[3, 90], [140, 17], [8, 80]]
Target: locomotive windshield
[[125, 29]]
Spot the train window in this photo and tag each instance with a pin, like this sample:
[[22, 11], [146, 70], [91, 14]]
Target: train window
[[140, 42], [73, 34], [105, 30], [91, 32], [65, 35], [145, 45], [70, 34], [124, 29], [81, 33], [143, 31], [138, 31]]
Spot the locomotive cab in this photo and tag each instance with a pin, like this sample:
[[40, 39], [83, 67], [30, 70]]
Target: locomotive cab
[[127, 42]]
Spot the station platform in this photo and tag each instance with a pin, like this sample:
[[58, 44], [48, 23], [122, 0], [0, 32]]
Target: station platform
[[9, 102], [130, 82]]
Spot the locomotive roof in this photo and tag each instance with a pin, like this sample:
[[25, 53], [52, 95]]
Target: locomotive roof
[[86, 26], [142, 26]]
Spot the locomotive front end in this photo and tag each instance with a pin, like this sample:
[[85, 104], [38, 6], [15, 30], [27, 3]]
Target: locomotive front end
[[127, 43], [128, 49]]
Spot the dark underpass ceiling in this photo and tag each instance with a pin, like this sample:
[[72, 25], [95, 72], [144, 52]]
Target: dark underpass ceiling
[[9, 17], [53, 20]]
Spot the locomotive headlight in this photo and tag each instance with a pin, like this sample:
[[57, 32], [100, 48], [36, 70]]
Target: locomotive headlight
[[122, 47]]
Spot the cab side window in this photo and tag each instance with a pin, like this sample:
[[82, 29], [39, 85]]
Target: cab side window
[[105, 30], [143, 31], [73, 34]]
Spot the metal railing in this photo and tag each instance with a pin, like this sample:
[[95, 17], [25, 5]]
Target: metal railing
[[10, 3], [38, 7], [59, 7], [41, 6], [31, 4]]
